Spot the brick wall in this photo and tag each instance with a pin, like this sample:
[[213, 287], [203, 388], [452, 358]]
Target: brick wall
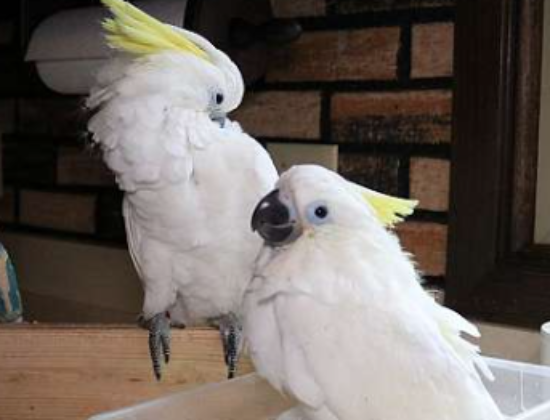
[[374, 77], [55, 182]]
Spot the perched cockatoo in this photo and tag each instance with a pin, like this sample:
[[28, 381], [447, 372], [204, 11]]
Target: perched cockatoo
[[191, 177], [336, 316]]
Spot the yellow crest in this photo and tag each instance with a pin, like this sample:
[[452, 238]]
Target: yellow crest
[[134, 31], [389, 210]]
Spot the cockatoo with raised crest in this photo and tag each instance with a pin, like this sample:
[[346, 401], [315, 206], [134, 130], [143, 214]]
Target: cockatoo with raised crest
[[336, 316], [191, 177]]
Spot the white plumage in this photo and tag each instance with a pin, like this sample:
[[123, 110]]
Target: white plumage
[[337, 317], [190, 181]]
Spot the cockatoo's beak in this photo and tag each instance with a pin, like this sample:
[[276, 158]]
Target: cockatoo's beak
[[219, 117], [274, 220]]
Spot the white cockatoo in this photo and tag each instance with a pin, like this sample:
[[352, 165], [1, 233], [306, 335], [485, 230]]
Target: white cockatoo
[[191, 177], [336, 316]]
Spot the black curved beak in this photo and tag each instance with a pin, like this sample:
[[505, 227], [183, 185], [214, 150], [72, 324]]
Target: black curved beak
[[274, 221]]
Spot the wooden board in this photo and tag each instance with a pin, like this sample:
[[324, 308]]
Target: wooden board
[[245, 398], [71, 372]]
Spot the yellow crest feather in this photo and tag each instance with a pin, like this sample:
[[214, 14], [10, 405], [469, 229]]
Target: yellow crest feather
[[389, 210], [135, 32]]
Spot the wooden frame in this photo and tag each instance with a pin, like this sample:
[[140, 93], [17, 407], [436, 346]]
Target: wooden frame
[[495, 271]]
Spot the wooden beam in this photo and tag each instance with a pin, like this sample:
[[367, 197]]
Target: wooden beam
[[67, 372]]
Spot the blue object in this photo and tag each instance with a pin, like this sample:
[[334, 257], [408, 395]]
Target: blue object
[[11, 308]]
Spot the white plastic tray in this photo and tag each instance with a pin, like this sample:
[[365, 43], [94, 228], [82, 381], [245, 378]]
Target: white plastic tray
[[521, 390]]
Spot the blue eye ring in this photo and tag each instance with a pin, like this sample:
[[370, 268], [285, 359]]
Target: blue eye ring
[[318, 213]]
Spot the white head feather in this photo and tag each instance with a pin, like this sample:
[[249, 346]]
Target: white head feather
[[165, 59], [155, 100]]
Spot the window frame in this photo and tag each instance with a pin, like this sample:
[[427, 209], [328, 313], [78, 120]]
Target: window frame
[[495, 271]]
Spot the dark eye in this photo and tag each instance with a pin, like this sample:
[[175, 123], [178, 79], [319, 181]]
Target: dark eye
[[321, 212], [219, 98]]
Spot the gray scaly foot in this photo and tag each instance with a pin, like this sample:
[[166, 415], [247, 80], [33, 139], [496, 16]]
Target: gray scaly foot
[[159, 341], [231, 334]]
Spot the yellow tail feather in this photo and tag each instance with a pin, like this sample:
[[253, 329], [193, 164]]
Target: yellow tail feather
[[136, 32]]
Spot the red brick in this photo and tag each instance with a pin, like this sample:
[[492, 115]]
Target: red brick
[[288, 154], [82, 167], [293, 8], [364, 54], [402, 117], [360, 6], [429, 183], [7, 205], [281, 114], [427, 242], [432, 50], [61, 211], [376, 172]]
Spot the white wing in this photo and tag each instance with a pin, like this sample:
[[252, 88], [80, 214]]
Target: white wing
[[133, 237], [452, 326], [363, 364], [145, 133]]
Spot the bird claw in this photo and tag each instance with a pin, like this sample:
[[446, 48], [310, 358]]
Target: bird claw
[[159, 341], [231, 335]]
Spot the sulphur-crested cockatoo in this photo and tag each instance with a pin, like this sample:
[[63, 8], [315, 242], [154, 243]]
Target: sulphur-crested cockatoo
[[191, 177], [336, 316]]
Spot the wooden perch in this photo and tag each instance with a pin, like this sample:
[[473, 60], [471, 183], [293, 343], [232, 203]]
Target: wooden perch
[[68, 372]]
